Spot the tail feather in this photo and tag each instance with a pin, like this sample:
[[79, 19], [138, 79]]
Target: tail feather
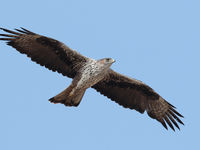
[[68, 97]]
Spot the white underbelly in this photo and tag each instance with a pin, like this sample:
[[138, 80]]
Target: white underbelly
[[90, 75], [88, 81]]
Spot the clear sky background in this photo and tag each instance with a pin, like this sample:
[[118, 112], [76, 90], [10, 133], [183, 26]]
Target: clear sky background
[[152, 40]]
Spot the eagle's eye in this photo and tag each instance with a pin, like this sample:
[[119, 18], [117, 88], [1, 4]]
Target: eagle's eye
[[107, 59]]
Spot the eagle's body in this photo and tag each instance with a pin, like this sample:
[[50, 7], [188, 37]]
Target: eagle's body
[[87, 72], [91, 72]]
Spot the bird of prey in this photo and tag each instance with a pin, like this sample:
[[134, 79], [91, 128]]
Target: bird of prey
[[87, 72]]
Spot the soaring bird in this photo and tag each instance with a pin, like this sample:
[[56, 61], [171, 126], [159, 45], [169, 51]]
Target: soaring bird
[[87, 72]]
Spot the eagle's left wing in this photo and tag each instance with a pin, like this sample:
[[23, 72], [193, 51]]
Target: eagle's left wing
[[134, 94], [45, 51]]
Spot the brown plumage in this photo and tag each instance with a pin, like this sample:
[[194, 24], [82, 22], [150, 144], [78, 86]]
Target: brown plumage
[[86, 72]]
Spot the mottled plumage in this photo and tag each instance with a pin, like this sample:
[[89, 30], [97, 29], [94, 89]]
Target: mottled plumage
[[87, 72]]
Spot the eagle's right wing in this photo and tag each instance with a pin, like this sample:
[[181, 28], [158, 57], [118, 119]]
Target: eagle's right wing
[[134, 94], [45, 51]]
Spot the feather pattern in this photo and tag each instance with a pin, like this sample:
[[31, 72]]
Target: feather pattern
[[128, 92], [134, 94], [60, 57]]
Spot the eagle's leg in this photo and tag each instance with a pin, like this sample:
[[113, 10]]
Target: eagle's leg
[[69, 97]]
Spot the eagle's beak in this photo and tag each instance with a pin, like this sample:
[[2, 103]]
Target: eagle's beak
[[113, 61]]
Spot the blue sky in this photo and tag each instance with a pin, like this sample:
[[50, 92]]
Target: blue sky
[[153, 41]]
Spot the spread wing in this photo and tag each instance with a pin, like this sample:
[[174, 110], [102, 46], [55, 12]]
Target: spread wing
[[134, 94], [45, 51]]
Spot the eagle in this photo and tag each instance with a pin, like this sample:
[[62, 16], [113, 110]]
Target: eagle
[[87, 72]]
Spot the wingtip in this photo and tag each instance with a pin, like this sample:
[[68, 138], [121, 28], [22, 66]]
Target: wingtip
[[9, 31], [182, 123], [165, 127], [2, 28], [23, 28], [163, 123], [171, 105], [52, 100], [28, 31], [5, 39], [177, 113]]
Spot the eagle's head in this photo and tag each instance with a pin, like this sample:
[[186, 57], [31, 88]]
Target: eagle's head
[[106, 62]]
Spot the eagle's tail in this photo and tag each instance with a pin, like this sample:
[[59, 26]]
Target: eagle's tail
[[68, 97]]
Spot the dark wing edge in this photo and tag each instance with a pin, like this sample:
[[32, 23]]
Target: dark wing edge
[[134, 94], [45, 51]]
